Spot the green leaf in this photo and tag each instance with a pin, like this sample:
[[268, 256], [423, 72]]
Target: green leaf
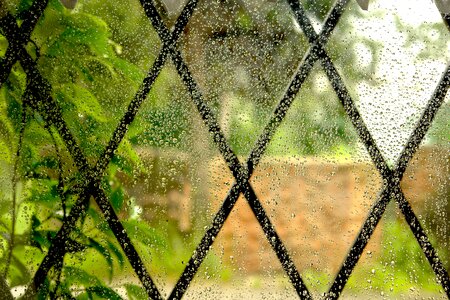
[[5, 154], [104, 292], [143, 233], [6, 128], [117, 253], [117, 198], [19, 273], [45, 192], [80, 29], [78, 276], [94, 214], [135, 292], [83, 99], [127, 149], [127, 69], [73, 246], [84, 296], [105, 253], [39, 238], [101, 63]]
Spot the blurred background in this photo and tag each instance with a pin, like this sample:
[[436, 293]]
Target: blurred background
[[167, 179]]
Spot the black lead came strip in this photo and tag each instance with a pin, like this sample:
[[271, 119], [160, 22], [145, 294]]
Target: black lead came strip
[[239, 172], [233, 163], [391, 177], [18, 38], [392, 187], [57, 251], [38, 95]]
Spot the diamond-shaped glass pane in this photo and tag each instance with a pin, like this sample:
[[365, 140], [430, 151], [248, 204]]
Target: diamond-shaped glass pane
[[395, 54], [95, 62], [243, 55], [245, 266], [393, 265]]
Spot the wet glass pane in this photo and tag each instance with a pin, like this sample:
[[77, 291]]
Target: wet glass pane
[[224, 149], [392, 268]]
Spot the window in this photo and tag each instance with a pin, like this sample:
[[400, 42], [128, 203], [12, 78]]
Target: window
[[241, 149]]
